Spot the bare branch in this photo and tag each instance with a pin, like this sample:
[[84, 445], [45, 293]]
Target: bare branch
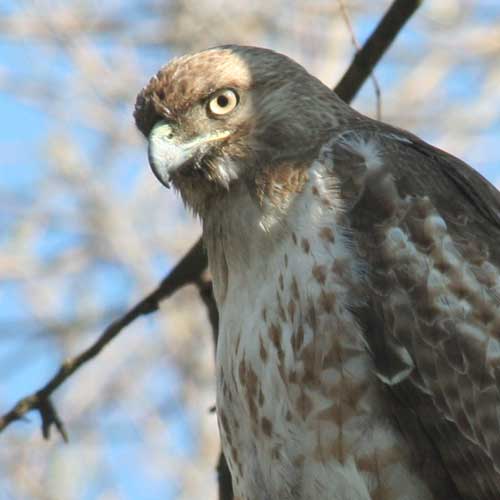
[[188, 270], [354, 40], [375, 47]]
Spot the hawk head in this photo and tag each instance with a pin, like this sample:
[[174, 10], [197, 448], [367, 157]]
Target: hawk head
[[219, 118]]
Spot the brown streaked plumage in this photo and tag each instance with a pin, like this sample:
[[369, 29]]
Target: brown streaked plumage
[[357, 274]]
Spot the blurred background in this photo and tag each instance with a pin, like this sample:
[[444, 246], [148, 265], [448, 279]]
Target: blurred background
[[86, 231]]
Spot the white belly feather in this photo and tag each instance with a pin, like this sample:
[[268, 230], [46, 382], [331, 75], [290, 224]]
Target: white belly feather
[[298, 403]]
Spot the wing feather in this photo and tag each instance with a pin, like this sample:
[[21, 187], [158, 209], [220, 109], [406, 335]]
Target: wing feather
[[428, 227]]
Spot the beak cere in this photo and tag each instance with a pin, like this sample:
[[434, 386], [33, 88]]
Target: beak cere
[[166, 155]]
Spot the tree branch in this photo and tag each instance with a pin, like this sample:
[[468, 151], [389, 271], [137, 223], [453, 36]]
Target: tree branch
[[188, 270], [192, 266], [375, 47]]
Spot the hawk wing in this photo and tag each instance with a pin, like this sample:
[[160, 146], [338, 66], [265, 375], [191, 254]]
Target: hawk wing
[[428, 228]]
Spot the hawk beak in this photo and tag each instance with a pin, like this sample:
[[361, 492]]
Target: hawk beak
[[168, 154], [165, 153]]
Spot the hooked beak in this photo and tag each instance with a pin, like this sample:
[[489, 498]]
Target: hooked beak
[[167, 153]]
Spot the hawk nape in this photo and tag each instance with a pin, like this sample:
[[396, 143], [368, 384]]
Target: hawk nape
[[356, 271]]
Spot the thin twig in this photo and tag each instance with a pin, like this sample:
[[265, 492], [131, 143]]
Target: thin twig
[[354, 40], [191, 267], [188, 270], [375, 47]]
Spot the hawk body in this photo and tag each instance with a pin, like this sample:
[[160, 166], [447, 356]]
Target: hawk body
[[356, 274], [300, 411]]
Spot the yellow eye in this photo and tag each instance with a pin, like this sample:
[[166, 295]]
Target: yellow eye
[[223, 102]]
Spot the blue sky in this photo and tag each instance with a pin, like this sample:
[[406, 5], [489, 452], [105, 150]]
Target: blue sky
[[28, 355]]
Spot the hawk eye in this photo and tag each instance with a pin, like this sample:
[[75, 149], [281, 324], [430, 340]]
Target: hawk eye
[[223, 102]]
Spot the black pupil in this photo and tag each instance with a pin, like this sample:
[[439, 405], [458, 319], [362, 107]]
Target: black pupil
[[222, 101]]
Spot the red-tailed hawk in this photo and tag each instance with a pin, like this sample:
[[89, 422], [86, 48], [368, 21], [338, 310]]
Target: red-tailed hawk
[[356, 272]]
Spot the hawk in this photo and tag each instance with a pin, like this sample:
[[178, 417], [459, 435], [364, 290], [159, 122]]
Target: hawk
[[356, 272]]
